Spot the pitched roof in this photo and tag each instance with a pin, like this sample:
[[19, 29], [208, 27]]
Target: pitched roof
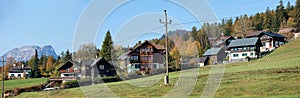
[[158, 47], [286, 30], [71, 61], [212, 51], [253, 34], [202, 59], [269, 33], [244, 42]]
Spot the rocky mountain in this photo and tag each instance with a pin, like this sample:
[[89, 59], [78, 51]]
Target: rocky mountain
[[26, 52]]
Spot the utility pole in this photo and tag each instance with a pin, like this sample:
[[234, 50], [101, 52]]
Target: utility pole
[[2, 76], [167, 59]]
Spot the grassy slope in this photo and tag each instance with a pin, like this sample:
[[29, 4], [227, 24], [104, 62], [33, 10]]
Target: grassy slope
[[276, 75], [12, 84]]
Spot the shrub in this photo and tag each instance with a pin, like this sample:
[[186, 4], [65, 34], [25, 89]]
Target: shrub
[[71, 84]]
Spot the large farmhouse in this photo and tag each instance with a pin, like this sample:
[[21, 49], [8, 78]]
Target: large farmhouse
[[145, 57], [73, 70], [19, 72], [241, 49], [269, 40]]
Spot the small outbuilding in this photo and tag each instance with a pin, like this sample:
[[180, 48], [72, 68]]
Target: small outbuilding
[[216, 55]]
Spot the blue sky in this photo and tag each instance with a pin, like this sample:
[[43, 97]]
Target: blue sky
[[54, 22]]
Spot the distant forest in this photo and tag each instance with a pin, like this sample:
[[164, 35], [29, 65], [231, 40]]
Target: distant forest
[[272, 19]]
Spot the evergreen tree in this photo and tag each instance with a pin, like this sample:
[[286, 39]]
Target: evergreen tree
[[267, 23], [50, 64], [107, 47], [257, 22], [228, 27], [280, 17], [194, 33], [288, 6], [296, 15], [68, 56], [35, 72]]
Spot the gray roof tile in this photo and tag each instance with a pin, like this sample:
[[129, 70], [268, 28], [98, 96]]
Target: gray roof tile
[[212, 51], [244, 42]]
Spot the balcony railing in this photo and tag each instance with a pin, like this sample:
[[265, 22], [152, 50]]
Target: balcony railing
[[63, 78]]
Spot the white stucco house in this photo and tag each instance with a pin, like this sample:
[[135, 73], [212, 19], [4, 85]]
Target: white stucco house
[[19, 72], [241, 49]]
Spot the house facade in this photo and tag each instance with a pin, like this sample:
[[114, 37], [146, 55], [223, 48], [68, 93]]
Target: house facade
[[145, 57], [223, 41], [216, 55], [19, 72], [203, 61], [70, 70], [270, 40], [73, 70], [124, 60], [289, 33], [241, 49], [102, 68]]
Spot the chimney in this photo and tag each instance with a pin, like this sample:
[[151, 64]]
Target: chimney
[[140, 42]]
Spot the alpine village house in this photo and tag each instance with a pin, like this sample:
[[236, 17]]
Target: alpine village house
[[73, 70], [269, 40], [145, 57], [241, 49]]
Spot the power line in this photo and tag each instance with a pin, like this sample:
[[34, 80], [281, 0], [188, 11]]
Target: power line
[[239, 5]]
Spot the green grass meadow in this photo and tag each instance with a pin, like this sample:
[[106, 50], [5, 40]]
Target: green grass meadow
[[19, 83], [277, 75]]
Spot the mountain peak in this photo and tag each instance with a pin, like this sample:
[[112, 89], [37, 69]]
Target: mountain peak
[[24, 53]]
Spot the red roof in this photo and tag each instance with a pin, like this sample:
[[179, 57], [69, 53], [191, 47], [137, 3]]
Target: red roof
[[159, 47], [286, 30], [252, 34]]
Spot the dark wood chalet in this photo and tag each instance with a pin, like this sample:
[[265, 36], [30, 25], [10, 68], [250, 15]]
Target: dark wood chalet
[[73, 70], [103, 68], [70, 70], [223, 41], [269, 40], [146, 56]]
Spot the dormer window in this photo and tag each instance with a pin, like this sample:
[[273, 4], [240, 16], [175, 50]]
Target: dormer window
[[101, 67]]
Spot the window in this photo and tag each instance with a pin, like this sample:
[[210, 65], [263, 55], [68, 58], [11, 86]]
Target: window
[[107, 70], [19, 75], [251, 54], [134, 58], [101, 67], [244, 48], [149, 58], [235, 55], [137, 65], [12, 75], [244, 54], [252, 48], [154, 66]]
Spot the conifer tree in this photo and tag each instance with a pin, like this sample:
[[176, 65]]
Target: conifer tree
[[107, 47]]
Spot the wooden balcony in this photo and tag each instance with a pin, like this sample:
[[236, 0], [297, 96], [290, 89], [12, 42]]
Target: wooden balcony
[[69, 71], [63, 78]]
